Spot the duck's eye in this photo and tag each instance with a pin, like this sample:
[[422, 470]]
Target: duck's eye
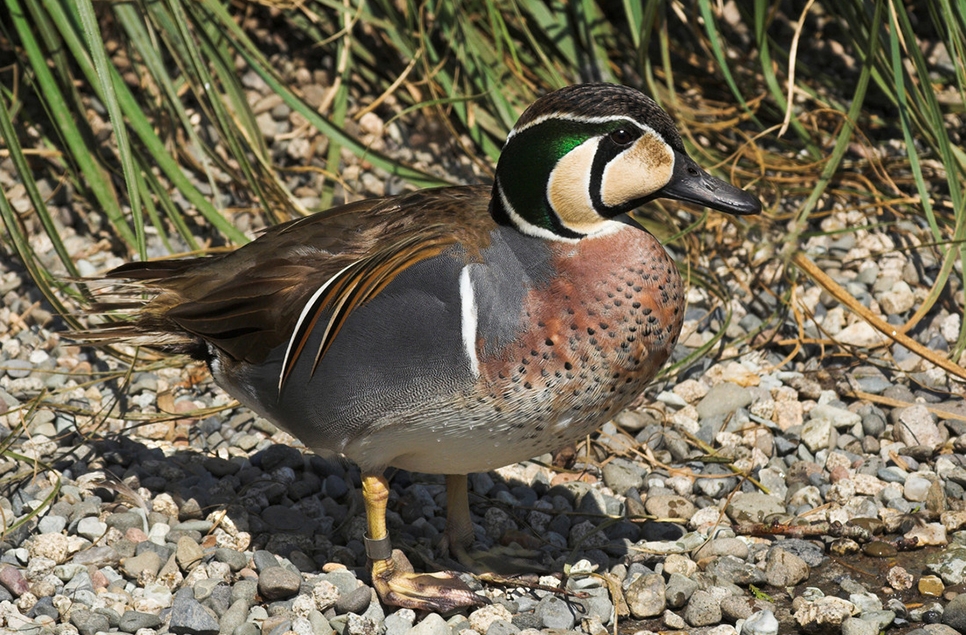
[[622, 136]]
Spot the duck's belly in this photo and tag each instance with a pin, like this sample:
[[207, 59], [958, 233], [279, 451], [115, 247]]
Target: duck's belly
[[482, 433]]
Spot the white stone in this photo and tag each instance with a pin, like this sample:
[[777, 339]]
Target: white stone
[[949, 327], [761, 623], [897, 300], [860, 334], [816, 434], [929, 534], [915, 426]]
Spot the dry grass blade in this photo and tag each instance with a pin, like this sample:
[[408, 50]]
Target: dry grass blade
[[804, 263]]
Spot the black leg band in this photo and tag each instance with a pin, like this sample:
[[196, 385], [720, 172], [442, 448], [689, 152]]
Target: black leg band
[[379, 549]]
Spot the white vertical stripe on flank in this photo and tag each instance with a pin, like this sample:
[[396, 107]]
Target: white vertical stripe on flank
[[470, 317]]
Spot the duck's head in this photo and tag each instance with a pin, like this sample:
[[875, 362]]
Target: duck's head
[[585, 154]]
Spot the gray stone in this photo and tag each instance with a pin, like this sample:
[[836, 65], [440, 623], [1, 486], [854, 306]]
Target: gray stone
[[264, 560], [723, 399], [122, 521], [244, 590], [811, 553], [235, 560], [91, 528], [17, 368], [502, 627], [555, 613], [189, 617], [234, 617], [598, 605], [783, 568], [278, 583], [89, 622], [857, 626], [955, 613], [432, 624], [133, 621], [342, 579], [400, 622], [679, 590], [737, 571], [356, 601], [703, 609], [621, 475], [753, 507], [52, 524], [320, 625]]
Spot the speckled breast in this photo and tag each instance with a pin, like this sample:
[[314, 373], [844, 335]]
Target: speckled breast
[[600, 330]]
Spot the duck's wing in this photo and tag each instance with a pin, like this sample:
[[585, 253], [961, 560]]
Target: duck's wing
[[249, 301]]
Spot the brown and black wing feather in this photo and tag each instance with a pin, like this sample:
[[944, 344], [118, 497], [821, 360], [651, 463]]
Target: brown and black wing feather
[[248, 302]]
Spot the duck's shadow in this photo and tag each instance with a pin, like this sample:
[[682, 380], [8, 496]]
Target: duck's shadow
[[309, 508]]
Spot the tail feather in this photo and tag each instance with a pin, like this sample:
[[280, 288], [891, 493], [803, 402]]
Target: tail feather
[[133, 309]]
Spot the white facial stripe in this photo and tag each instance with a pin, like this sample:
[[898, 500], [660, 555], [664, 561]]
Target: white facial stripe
[[305, 311], [470, 317], [639, 171], [576, 119], [529, 228]]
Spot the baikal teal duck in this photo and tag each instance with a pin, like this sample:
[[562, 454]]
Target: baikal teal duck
[[449, 330]]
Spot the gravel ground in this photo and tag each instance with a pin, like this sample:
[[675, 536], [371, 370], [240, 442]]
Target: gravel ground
[[845, 512]]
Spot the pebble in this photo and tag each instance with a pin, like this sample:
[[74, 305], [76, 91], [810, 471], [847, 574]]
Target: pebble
[[954, 614], [703, 609], [645, 596], [915, 426], [144, 566], [278, 583], [89, 622], [762, 622], [753, 507], [188, 554], [356, 601], [481, 619], [555, 613], [784, 569], [723, 399], [433, 624], [91, 528], [133, 621]]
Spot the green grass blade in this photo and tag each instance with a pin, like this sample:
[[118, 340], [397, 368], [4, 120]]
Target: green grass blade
[[105, 80], [845, 134], [145, 131], [42, 277], [261, 66], [95, 177]]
